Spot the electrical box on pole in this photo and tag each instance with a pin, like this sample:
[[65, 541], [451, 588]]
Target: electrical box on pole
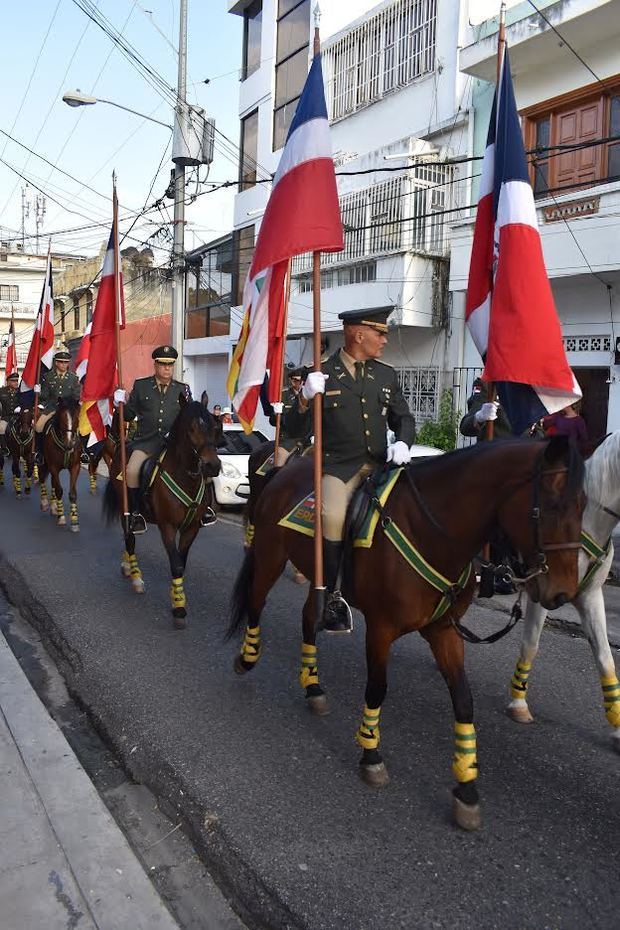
[[192, 142]]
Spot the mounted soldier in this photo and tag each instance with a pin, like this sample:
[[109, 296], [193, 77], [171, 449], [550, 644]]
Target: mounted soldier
[[362, 398], [9, 399], [154, 401], [481, 408], [59, 382], [289, 395]]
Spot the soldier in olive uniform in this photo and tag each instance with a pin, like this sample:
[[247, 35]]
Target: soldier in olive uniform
[[362, 398], [289, 395], [481, 409], [155, 403], [56, 383], [8, 403]]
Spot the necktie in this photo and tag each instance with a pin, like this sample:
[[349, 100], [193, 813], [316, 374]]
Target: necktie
[[359, 371]]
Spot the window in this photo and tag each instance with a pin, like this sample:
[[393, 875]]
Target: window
[[76, 313], [355, 274], [89, 307], [293, 40], [243, 250], [388, 50], [9, 292], [209, 292], [249, 151], [574, 121], [252, 29]]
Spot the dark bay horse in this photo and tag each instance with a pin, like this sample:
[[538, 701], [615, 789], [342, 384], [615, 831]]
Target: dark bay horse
[[19, 437], [62, 450], [177, 496], [448, 507]]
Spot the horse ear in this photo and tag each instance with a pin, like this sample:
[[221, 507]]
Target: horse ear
[[183, 401], [557, 449]]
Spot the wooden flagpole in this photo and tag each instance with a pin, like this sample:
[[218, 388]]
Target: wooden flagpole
[[14, 339], [119, 366], [37, 384], [281, 372], [317, 411], [501, 44]]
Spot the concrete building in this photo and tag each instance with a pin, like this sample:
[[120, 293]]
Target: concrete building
[[562, 101]]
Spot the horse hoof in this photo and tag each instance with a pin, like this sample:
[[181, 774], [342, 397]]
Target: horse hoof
[[615, 741], [179, 621], [125, 569], [376, 776], [93, 491], [75, 528], [466, 816], [18, 497], [53, 510], [27, 492], [520, 713], [240, 666], [318, 704], [44, 507], [61, 521], [138, 585]]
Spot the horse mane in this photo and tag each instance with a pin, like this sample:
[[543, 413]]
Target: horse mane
[[193, 410], [68, 403], [602, 479]]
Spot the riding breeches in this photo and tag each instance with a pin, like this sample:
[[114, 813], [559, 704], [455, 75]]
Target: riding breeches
[[3, 426], [43, 419], [136, 460], [282, 456], [336, 497]]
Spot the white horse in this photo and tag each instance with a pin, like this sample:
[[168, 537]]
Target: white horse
[[602, 513]]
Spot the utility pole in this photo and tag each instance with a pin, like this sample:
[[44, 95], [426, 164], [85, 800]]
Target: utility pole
[[178, 249], [25, 213]]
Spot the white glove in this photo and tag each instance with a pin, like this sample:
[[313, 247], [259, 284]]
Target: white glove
[[17, 410], [399, 453], [488, 411], [278, 407], [37, 389], [120, 397], [314, 384]]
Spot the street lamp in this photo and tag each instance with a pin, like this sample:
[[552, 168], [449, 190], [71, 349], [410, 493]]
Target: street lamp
[[75, 98]]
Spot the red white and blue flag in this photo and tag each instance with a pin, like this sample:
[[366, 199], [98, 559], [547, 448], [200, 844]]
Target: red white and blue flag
[[11, 352], [510, 309], [101, 364], [41, 352], [302, 215]]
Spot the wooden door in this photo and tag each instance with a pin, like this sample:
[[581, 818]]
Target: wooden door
[[593, 383], [579, 124]]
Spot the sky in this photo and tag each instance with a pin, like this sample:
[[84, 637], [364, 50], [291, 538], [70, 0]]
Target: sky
[[57, 48]]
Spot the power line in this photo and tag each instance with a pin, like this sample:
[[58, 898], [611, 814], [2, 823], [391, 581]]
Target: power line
[[568, 45]]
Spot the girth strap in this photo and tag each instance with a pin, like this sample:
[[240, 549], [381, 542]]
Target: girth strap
[[597, 555], [192, 503]]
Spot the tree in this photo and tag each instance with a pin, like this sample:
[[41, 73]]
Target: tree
[[441, 433]]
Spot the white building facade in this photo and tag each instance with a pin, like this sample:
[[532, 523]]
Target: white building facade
[[575, 104]]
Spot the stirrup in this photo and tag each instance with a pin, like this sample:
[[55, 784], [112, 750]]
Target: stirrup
[[337, 616], [209, 517], [137, 524], [85, 458]]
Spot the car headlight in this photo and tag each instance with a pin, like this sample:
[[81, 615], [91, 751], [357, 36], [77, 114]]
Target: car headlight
[[230, 471]]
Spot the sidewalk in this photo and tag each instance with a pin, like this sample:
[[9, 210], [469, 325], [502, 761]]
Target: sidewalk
[[64, 862]]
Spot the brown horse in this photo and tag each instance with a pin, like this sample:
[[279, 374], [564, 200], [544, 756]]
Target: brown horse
[[19, 436], [62, 450], [104, 450], [447, 507], [176, 498]]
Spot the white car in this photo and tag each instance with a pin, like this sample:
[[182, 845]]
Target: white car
[[231, 485]]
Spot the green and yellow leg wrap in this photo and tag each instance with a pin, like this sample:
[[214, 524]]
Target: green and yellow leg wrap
[[35, 473], [611, 697], [60, 508], [465, 764], [92, 480], [251, 647], [134, 568], [518, 682], [309, 671], [17, 484], [249, 535], [73, 514], [368, 735], [43, 491], [28, 482], [177, 594], [1, 477]]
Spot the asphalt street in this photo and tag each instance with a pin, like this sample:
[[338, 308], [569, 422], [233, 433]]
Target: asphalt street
[[271, 794]]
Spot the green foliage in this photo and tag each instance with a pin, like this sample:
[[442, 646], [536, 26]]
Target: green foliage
[[441, 433]]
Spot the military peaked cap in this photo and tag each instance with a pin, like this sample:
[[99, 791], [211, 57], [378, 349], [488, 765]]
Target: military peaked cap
[[165, 354], [62, 354], [377, 319], [14, 376]]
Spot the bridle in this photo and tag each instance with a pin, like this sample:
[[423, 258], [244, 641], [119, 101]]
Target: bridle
[[198, 450], [22, 443]]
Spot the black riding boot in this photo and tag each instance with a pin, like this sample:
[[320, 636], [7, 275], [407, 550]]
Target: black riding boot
[[137, 523], [38, 447], [337, 615]]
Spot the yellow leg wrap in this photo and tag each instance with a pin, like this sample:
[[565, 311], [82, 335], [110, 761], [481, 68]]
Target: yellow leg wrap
[[309, 671], [17, 485], [611, 697], [251, 647], [134, 567], [73, 514], [1, 478], [249, 534], [518, 682], [177, 594], [28, 483], [465, 765], [93, 482], [35, 473], [43, 491], [368, 735], [60, 508]]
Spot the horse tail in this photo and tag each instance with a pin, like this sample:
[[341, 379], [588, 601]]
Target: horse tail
[[110, 508], [240, 597]]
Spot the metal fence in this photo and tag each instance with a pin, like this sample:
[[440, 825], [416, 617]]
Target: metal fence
[[420, 387], [462, 386]]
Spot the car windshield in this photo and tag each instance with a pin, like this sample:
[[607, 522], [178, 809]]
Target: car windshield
[[236, 442]]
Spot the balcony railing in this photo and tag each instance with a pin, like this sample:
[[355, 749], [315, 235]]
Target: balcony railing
[[387, 51]]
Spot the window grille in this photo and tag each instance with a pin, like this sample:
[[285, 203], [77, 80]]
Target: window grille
[[587, 343], [387, 51], [420, 387], [355, 274], [9, 292]]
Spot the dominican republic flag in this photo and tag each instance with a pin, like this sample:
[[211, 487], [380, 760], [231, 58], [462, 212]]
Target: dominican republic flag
[[41, 352], [302, 215], [510, 309], [81, 363], [101, 364], [11, 352]]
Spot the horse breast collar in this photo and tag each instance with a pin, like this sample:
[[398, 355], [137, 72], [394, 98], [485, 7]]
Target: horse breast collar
[[192, 503]]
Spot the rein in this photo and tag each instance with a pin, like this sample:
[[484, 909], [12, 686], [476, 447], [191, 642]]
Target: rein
[[22, 443], [67, 450], [191, 503]]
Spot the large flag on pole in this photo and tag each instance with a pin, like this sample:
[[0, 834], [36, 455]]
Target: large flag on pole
[[302, 215], [81, 363], [42, 345], [101, 372], [11, 352], [510, 309]]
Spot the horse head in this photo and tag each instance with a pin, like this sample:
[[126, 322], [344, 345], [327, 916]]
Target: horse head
[[22, 423], [66, 421], [198, 432], [543, 520]]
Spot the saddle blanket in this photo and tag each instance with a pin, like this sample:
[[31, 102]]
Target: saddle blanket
[[301, 517]]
